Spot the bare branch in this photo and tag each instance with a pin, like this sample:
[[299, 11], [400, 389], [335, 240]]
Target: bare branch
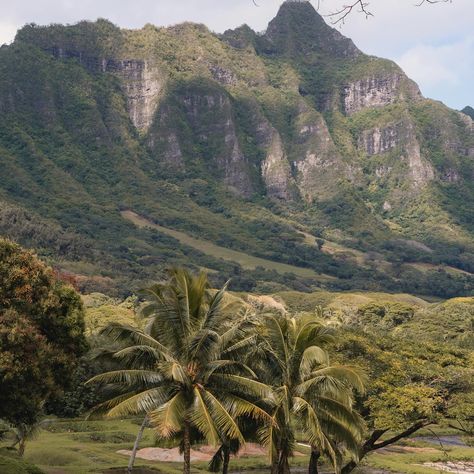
[[432, 2], [340, 15], [362, 6]]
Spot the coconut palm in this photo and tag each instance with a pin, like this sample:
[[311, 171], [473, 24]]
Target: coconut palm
[[183, 368], [310, 395]]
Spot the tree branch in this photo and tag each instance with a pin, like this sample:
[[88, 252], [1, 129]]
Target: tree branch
[[372, 445], [461, 428], [340, 15], [432, 2], [413, 428]]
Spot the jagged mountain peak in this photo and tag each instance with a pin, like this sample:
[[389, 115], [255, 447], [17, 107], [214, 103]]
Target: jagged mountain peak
[[299, 29], [468, 110]]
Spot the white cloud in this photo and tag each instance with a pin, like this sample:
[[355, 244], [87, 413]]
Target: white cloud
[[447, 69], [434, 65], [7, 32]]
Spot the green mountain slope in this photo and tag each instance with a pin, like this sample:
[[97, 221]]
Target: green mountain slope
[[282, 146]]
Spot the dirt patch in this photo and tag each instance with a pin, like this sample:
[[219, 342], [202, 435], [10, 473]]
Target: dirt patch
[[166, 455], [202, 453], [459, 467]]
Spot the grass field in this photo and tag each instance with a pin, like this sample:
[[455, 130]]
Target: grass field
[[245, 260], [80, 447]]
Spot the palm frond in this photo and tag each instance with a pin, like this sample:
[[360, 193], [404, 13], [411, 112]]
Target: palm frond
[[130, 334], [129, 378], [168, 419], [240, 384], [350, 375], [139, 355], [312, 356], [238, 406], [202, 418], [142, 402], [225, 425]]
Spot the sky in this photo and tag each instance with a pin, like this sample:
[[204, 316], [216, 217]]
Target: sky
[[434, 44]]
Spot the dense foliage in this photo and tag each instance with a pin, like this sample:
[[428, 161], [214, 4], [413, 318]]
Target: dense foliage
[[41, 334]]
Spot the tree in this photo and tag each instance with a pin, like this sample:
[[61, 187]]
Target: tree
[[183, 370], [309, 393], [41, 335], [26, 376], [411, 386]]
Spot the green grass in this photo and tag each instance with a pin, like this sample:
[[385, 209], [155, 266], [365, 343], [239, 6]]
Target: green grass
[[245, 260], [76, 447], [80, 447]]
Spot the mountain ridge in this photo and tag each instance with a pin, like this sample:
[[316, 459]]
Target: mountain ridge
[[243, 139]]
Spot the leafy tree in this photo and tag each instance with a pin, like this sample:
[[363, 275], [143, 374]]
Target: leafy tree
[[411, 386], [41, 335], [26, 375], [310, 394], [183, 370]]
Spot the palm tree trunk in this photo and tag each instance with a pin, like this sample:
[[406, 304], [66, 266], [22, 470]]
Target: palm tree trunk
[[283, 463], [313, 460], [21, 447], [131, 461], [226, 459], [274, 466], [187, 448]]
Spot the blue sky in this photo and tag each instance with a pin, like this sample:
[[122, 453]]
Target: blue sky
[[434, 44]]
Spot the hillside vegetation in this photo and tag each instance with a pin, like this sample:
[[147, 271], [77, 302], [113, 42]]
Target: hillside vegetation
[[281, 147]]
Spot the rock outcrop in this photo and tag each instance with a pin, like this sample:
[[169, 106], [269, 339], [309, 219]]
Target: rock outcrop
[[377, 91], [400, 141], [142, 85], [276, 170], [318, 163]]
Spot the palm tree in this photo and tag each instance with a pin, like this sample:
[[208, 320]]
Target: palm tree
[[310, 394], [23, 432], [183, 369]]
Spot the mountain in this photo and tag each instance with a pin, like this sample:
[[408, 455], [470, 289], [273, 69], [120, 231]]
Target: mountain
[[290, 155], [468, 110]]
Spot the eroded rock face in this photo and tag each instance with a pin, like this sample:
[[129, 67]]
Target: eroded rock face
[[377, 91], [276, 170], [379, 140], [221, 75], [420, 171], [142, 85], [141, 82], [450, 176], [398, 137], [205, 118], [319, 166]]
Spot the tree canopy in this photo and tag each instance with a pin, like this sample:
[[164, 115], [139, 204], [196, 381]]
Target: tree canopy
[[41, 334]]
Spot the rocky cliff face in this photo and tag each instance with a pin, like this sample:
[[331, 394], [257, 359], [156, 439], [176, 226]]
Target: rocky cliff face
[[398, 138], [318, 163], [378, 91], [142, 85], [198, 118]]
